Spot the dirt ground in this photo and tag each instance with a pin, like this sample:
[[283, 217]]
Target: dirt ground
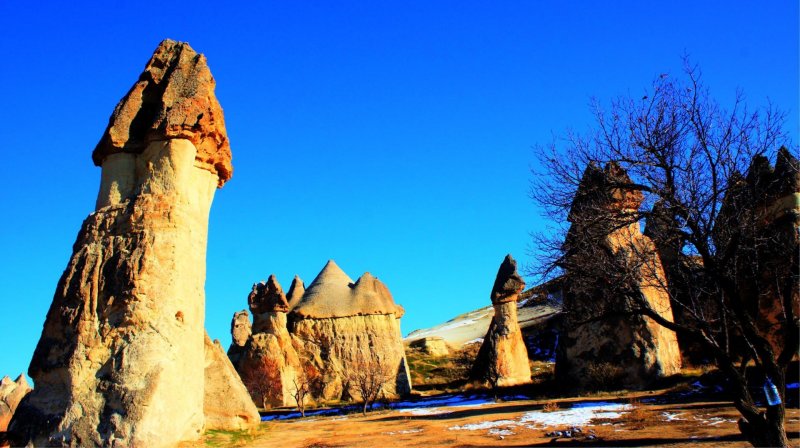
[[646, 421]]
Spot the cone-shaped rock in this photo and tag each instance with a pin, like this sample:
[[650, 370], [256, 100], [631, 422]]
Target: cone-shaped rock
[[503, 359], [296, 291], [121, 357], [604, 231], [341, 325], [227, 404], [241, 329]]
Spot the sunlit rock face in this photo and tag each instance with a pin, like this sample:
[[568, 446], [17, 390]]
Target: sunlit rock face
[[503, 358], [121, 358], [607, 263], [341, 325], [11, 394], [227, 404]]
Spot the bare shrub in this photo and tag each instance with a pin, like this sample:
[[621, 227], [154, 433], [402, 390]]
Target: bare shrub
[[262, 378], [605, 376], [367, 378]]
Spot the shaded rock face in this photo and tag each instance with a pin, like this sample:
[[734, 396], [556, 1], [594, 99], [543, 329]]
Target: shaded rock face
[[601, 247], [340, 324], [121, 356], [503, 357], [433, 346], [763, 210], [268, 362], [227, 404], [11, 394]]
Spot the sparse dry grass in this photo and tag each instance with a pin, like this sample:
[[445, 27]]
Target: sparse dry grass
[[550, 406]]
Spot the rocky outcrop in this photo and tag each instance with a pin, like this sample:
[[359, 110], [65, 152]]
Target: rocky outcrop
[[227, 404], [762, 212], [503, 359], [268, 362], [11, 394], [296, 291], [121, 358], [432, 346], [241, 329], [341, 325], [609, 265]]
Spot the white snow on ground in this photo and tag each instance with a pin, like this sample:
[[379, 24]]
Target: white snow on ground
[[501, 432], [578, 415], [672, 416], [474, 341], [404, 431], [483, 425]]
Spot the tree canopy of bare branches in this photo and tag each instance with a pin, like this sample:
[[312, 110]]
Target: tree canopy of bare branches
[[723, 220]]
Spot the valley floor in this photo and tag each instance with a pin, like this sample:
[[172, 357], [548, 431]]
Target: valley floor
[[629, 419]]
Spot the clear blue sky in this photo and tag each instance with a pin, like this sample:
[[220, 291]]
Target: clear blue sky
[[393, 137]]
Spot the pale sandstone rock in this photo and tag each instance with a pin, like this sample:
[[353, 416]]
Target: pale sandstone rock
[[296, 291], [339, 325], [634, 350], [121, 357], [11, 394], [241, 329], [227, 404], [433, 346], [503, 357]]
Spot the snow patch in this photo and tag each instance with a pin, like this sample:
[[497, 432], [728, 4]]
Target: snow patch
[[483, 425], [579, 415]]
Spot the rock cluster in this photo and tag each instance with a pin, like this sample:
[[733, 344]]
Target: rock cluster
[[599, 341], [503, 359], [11, 393], [122, 358], [268, 362], [336, 326]]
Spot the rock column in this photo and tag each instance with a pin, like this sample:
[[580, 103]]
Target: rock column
[[503, 358], [121, 358]]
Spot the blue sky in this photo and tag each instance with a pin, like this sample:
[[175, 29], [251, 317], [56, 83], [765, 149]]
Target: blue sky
[[393, 137]]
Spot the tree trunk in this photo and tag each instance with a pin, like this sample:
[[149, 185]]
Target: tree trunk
[[364, 410], [766, 432]]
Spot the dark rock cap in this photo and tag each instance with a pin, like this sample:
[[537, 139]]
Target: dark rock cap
[[508, 283], [173, 98]]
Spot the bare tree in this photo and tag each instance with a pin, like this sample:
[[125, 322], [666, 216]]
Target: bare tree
[[708, 196], [262, 379], [307, 383], [368, 377]]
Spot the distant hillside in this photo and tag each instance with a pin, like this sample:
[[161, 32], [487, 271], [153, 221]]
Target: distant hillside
[[537, 308]]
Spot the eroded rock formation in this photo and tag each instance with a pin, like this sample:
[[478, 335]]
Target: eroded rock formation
[[609, 263], [11, 393], [337, 326], [762, 211], [268, 362], [121, 358], [503, 359], [342, 325]]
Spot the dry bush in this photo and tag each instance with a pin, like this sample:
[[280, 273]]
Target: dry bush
[[550, 406], [639, 417], [605, 376], [308, 383]]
